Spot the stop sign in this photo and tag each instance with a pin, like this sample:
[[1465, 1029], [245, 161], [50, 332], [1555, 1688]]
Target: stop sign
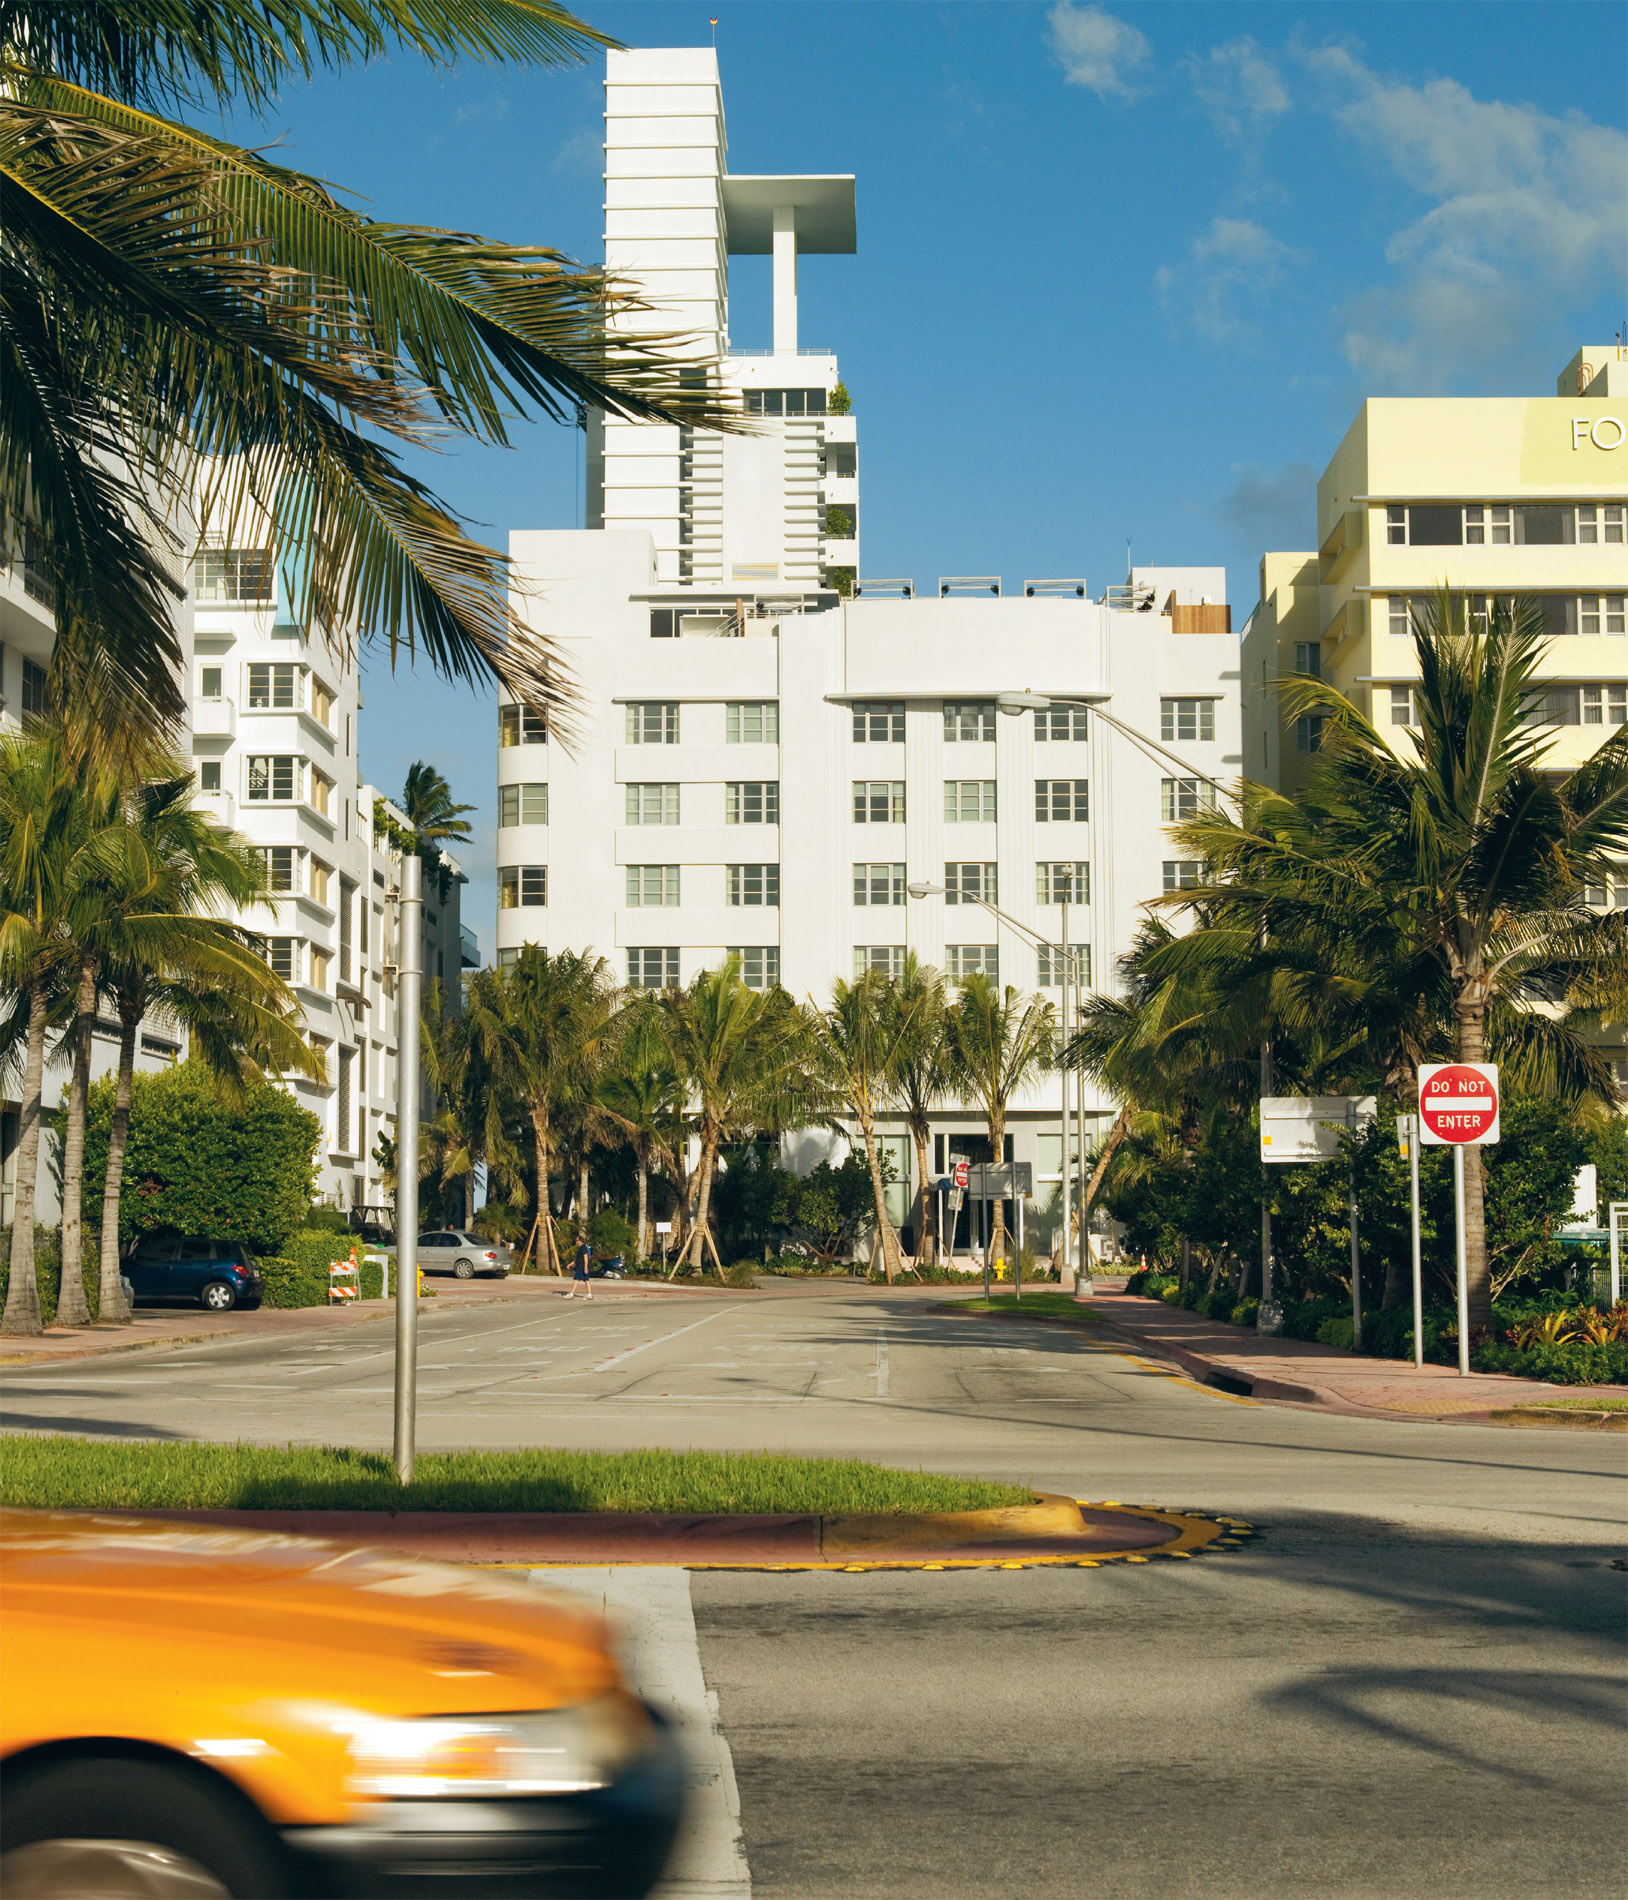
[[1458, 1104], [960, 1174]]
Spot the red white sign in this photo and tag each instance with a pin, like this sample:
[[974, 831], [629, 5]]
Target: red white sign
[[1458, 1104], [960, 1174]]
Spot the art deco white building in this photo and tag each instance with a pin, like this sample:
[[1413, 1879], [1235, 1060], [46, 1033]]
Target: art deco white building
[[765, 766]]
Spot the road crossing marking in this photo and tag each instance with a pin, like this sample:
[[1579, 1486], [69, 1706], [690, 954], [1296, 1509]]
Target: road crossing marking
[[881, 1366]]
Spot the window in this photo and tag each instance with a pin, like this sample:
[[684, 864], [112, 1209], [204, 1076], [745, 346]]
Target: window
[[279, 862], [1594, 892], [879, 801], [879, 722], [281, 955], [1181, 798], [1055, 723], [652, 804], [878, 884], [507, 959], [1602, 613], [752, 802], [1308, 658], [1308, 732], [209, 776], [1402, 706], [650, 886], [1059, 801], [1183, 874], [784, 402], [320, 960], [1396, 526], [521, 725], [1186, 718], [322, 704], [1435, 525], [1605, 705], [962, 960], [276, 780], [969, 801], [342, 1102], [1050, 961], [1398, 618], [1544, 526], [663, 623], [273, 686], [321, 793], [522, 804], [650, 969], [754, 884], [210, 682], [760, 965], [33, 689], [887, 958], [1063, 883], [1553, 706], [969, 720], [652, 722], [752, 722], [232, 574], [522, 884], [969, 884]]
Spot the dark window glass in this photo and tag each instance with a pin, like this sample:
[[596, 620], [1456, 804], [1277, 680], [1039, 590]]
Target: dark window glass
[[1545, 527], [794, 402], [772, 405], [1436, 527], [661, 623]]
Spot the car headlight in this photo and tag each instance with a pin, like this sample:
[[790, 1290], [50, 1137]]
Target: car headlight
[[551, 1751]]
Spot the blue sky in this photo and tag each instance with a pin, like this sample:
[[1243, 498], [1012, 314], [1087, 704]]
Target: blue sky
[[1123, 272]]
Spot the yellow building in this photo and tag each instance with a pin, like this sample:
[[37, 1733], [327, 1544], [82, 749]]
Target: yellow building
[[1492, 496]]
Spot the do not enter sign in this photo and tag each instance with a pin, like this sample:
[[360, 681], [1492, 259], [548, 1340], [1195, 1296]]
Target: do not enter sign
[[961, 1174], [1458, 1104]]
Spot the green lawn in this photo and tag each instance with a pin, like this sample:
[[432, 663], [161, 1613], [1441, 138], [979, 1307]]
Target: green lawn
[[1574, 1405], [1043, 1303], [86, 1473]]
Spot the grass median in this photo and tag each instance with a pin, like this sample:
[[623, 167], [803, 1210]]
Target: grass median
[[1037, 1305], [94, 1474]]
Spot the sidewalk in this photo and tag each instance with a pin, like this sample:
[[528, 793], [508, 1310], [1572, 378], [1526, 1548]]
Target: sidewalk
[[1302, 1372]]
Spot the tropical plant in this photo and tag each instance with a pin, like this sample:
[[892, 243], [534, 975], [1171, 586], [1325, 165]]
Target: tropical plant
[[1001, 1040], [919, 1077], [644, 1098], [1547, 1329], [1437, 897], [187, 323], [738, 1052], [437, 822], [539, 1025]]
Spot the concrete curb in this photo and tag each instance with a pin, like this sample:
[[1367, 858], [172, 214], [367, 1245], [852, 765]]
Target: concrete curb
[[1054, 1530]]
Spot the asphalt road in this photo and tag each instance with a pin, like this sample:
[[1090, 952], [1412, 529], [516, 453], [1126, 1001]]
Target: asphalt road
[[1411, 1683]]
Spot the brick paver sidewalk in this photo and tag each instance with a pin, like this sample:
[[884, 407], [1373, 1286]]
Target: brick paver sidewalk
[[1302, 1372]]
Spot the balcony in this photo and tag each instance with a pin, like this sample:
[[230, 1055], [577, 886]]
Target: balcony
[[468, 948], [214, 719], [221, 806]]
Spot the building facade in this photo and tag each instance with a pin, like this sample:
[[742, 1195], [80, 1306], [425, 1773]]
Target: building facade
[[769, 757]]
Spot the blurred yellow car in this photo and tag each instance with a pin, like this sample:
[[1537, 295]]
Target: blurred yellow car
[[189, 1712]]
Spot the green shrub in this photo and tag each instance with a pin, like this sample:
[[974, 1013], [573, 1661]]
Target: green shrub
[[326, 1220], [200, 1164], [741, 1273], [1336, 1332], [1243, 1314], [839, 402], [1576, 1363], [299, 1276], [608, 1233]]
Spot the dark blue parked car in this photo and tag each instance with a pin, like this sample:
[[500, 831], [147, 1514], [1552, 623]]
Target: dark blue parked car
[[218, 1274]]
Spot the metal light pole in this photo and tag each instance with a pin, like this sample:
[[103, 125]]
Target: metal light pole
[[1463, 1263], [1411, 1123], [1063, 1168], [1356, 1263], [409, 939]]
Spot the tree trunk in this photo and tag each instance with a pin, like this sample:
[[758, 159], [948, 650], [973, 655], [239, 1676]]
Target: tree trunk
[[72, 1308], [644, 1203], [583, 1209], [997, 1151], [545, 1213], [696, 1243], [22, 1314], [1110, 1147], [884, 1227], [927, 1206], [1472, 1023], [113, 1306]]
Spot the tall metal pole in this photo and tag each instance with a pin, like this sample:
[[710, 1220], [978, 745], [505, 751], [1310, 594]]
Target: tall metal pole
[[1356, 1263], [1082, 1261], [1063, 1167], [409, 939], [1463, 1263], [1418, 1262], [1266, 1316]]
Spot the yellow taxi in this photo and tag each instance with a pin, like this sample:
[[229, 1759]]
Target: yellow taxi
[[189, 1712]]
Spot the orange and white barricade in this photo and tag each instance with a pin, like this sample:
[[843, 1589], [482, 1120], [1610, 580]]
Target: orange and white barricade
[[344, 1280]]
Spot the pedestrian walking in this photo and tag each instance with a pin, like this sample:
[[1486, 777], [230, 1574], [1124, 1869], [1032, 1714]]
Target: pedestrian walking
[[579, 1269]]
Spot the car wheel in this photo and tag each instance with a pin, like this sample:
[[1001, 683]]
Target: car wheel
[[219, 1296], [134, 1830], [465, 1270]]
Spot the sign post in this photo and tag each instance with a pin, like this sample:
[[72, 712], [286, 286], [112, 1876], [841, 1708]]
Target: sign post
[[1307, 1128], [1618, 1210], [1458, 1109], [1407, 1128]]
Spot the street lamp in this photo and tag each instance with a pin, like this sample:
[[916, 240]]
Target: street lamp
[[924, 888]]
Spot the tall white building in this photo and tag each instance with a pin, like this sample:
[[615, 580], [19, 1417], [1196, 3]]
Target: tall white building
[[766, 765]]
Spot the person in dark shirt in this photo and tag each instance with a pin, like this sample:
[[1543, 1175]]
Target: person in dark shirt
[[579, 1268]]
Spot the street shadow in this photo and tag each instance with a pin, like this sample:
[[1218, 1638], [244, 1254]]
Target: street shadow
[[61, 1425]]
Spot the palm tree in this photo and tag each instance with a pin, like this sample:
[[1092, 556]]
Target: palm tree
[[919, 1076], [539, 1025], [738, 1051], [452, 1143], [436, 820], [644, 1097], [1001, 1041], [1466, 862], [856, 1045], [188, 324]]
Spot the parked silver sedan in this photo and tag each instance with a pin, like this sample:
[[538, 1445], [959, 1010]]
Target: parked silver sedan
[[463, 1255]]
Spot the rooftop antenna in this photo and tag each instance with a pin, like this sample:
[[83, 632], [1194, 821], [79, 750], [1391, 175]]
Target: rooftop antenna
[[714, 25]]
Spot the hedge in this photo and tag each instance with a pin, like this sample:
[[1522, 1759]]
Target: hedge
[[47, 1270]]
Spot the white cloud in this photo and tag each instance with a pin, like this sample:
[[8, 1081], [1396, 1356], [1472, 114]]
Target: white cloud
[[1526, 213], [583, 151], [1272, 508], [494, 106], [1098, 50], [1224, 276], [1241, 89]]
